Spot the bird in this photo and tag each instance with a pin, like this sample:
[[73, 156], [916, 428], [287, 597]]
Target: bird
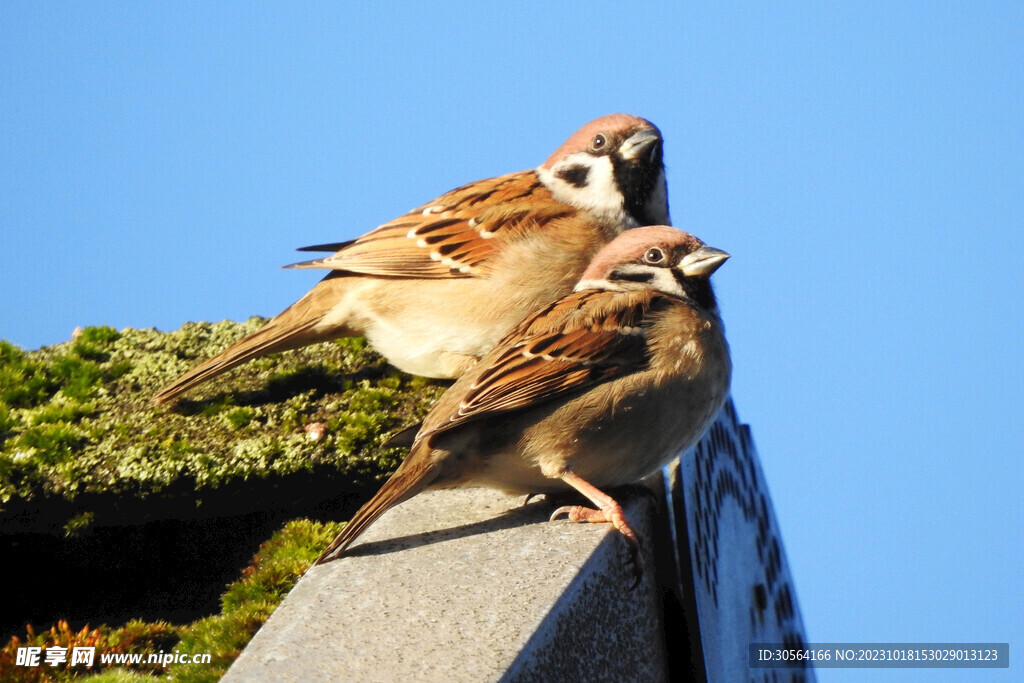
[[436, 288], [598, 389]]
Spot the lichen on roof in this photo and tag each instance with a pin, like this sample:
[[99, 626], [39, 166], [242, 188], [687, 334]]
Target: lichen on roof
[[77, 422]]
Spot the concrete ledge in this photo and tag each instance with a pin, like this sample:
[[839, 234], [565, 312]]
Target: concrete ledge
[[471, 585]]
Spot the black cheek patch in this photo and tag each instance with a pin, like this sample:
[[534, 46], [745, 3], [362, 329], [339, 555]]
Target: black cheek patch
[[575, 175], [632, 277]]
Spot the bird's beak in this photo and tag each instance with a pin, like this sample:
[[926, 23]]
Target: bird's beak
[[704, 261], [638, 144]]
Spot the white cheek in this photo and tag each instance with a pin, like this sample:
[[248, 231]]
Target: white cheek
[[665, 282], [600, 195]]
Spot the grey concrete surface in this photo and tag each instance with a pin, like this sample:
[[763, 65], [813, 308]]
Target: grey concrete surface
[[470, 585]]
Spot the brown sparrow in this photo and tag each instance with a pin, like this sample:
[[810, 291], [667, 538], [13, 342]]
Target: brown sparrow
[[435, 289], [599, 389]]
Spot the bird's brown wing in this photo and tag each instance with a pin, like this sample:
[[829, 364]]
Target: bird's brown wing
[[452, 236], [581, 340]]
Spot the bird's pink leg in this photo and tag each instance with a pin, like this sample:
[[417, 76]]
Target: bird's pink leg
[[608, 510]]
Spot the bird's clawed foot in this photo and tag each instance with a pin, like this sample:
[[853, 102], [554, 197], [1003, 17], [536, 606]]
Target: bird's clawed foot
[[613, 514], [608, 510]]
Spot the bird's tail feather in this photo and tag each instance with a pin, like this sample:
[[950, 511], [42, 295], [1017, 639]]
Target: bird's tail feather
[[270, 339], [403, 485]]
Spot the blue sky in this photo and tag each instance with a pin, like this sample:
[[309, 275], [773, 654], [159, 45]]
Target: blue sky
[[863, 162]]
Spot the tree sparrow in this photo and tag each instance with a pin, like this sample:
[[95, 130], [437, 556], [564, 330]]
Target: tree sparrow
[[435, 289], [599, 389]]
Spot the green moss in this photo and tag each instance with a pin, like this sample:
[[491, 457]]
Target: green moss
[[77, 425], [120, 676], [250, 600], [135, 637], [8, 421], [77, 378], [94, 343], [56, 411], [23, 382], [52, 443], [245, 606], [77, 418], [77, 523], [30, 379], [239, 417]]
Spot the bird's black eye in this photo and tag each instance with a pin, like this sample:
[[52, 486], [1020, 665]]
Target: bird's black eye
[[654, 255], [598, 142]]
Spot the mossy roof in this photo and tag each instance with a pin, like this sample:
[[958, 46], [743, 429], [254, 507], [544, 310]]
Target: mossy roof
[[77, 423]]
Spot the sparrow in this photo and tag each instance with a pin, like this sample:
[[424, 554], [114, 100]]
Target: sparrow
[[599, 389], [436, 288]]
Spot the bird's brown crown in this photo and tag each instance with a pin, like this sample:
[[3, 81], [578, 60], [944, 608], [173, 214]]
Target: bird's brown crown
[[616, 127], [632, 244]]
